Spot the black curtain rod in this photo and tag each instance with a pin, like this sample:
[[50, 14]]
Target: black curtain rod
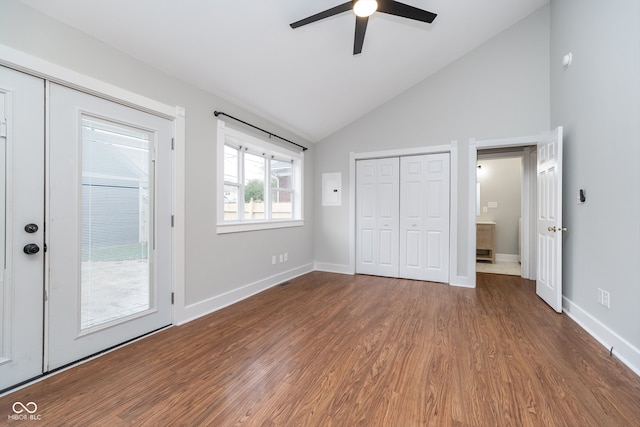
[[220, 113]]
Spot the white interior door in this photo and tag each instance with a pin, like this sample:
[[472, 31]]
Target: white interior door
[[377, 216], [21, 226], [109, 216], [424, 217], [549, 221]]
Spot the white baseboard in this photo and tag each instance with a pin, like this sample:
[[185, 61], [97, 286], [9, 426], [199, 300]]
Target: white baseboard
[[202, 308], [333, 268], [622, 349], [507, 257]]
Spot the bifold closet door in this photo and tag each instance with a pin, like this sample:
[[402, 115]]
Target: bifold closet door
[[377, 220], [424, 217]]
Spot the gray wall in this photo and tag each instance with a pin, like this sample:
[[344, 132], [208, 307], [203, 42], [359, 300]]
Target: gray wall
[[215, 264], [597, 100], [500, 182], [500, 89]]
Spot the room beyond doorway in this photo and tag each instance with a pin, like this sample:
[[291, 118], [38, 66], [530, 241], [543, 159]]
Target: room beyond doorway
[[499, 211]]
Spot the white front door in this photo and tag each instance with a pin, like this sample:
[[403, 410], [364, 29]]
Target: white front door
[[377, 220], [549, 220], [109, 225], [21, 226], [424, 217]]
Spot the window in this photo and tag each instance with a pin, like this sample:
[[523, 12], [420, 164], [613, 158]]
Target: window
[[259, 183]]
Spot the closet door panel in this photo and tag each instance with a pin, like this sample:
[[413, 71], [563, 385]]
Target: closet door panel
[[434, 243], [366, 222], [424, 217], [366, 237], [411, 216], [437, 219], [377, 220], [412, 249]]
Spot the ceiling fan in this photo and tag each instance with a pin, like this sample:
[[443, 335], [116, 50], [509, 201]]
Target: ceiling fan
[[365, 8]]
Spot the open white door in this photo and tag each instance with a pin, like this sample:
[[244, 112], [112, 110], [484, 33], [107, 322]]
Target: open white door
[[549, 219]]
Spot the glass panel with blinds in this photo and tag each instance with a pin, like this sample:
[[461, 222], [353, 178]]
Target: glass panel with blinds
[[116, 221]]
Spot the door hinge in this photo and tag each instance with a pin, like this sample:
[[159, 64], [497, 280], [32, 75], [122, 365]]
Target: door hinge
[[3, 129], [173, 143], [172, 298], [172, 220]]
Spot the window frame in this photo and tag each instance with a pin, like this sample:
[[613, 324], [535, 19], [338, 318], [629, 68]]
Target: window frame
[[245, 143]]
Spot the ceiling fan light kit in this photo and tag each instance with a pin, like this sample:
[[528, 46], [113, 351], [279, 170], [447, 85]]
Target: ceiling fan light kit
[[365, 8]]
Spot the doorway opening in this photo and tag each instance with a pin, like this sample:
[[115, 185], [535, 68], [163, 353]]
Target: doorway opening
[[542, 236], [526, 149], [500, 206]]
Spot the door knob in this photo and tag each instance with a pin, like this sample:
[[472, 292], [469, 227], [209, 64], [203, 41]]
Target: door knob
[[31, 249]]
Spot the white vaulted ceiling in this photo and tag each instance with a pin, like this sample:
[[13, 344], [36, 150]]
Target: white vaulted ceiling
[[306, 80]]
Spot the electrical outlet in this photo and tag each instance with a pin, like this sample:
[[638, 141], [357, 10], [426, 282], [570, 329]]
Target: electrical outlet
[[604, 298], [273, 259], [286, 256], [281, 257]]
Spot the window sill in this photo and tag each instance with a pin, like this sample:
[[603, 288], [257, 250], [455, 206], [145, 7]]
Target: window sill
[[238, 227]]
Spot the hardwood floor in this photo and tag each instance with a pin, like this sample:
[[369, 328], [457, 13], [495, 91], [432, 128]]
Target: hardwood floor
[[338, 350]]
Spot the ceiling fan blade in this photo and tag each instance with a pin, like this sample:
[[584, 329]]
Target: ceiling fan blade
[[361, 29], [325, 14], [404, 10]]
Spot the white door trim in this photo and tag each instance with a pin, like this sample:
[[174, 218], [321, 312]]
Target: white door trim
[[453, 216], [474, 146], [38, 67]]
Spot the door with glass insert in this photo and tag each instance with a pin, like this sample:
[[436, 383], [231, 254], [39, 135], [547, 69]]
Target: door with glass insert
[[21, 226], [110, 215]]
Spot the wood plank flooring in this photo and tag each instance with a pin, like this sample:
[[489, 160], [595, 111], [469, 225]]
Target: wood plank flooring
[[339, 350]]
